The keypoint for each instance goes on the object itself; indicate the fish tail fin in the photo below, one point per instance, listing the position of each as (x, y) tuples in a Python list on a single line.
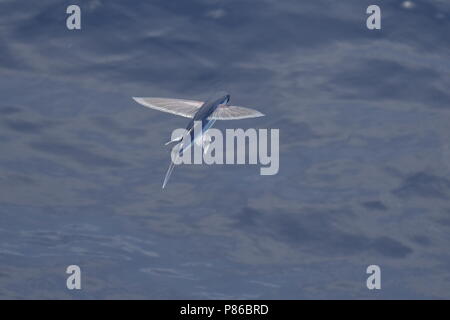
[(168, 174)]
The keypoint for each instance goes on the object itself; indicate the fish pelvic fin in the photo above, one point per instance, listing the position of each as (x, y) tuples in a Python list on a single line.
[(174, 140)]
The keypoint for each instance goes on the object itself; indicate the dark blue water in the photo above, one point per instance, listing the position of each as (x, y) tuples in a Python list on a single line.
[(364, 150)]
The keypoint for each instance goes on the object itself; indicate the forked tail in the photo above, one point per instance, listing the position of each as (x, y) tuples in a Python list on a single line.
[(169, 172)]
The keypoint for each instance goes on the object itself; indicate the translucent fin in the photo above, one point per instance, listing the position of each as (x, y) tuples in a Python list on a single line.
[(225, 112), (174, 140), (181, 107)]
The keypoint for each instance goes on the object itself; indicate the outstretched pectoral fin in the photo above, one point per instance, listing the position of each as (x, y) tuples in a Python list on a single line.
[(225, 112), (181, 107)]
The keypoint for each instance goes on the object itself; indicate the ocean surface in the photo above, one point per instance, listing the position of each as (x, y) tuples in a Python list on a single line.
[(364, 175)]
